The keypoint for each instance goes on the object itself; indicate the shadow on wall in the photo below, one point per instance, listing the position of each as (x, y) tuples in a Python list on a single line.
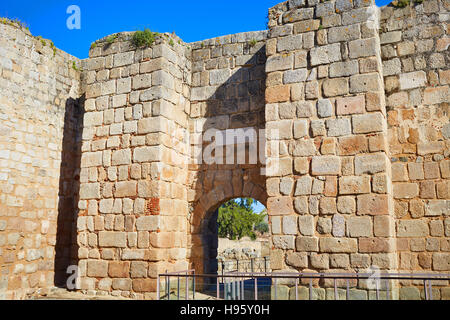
[(237, 103), (66, 247)]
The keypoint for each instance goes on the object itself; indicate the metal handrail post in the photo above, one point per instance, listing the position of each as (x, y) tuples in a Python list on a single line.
[(217, 288), (167, 286), (348, 290), (425, 289), (335, 291), (310, 289), (193, 285), (157, 288), (430, 289), (275, 283), (178, 288), (377, 282), (186, 284)]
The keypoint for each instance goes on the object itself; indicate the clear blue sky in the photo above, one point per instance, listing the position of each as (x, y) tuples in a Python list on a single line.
[(191, 20)]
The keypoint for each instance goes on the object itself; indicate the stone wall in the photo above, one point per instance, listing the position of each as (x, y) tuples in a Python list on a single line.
[(354, 103), (415, 50), (133, 199), (228, 85), (39, 156), (330, 203)]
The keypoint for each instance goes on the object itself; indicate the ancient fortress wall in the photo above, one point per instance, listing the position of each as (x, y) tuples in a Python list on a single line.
[(134, 168), (354, 102), (331, 201), (228, 86), (39, 129), (415, 50)]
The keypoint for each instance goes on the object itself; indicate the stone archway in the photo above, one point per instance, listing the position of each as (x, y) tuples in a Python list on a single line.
[(204, 216)]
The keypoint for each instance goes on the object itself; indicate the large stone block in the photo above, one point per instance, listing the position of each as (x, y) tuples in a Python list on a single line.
[(370, 82), (147, 154), (290, 43), (290, 225), (412, 228), (123, 59), (148, 223), (351, 105), (373, 204), (376, 245), (344, 34), (441, 261), (144, 285), (352, 145), (295, 76), (360, 227), (339, 127), (280, 93), (354, 185), (339, 222), (108, 239), (119, 269), (98, 269), (325, 54), (370, 163), (306, 225), (90, 191), (92, 159), (297, 259), (303, 148), (125, 189), (413, 80), (121, 157), (303, 186), (363, 48), (325, 165), (284, 242), (307, 244), (368, 123), (280, 206), (324, 108), (335, 87), (406, 190), (341, 245), (280, 62)]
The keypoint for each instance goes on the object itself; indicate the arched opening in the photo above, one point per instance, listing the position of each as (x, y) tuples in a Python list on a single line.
[(235, 238)]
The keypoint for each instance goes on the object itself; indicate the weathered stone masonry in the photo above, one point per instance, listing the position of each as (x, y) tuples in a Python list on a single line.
[(41, 121), (359, 96)]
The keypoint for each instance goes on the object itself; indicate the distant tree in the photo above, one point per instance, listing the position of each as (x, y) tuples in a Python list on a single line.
[(237, 219), (263, 226)]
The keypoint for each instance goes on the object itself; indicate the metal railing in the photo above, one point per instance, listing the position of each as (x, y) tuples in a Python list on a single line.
[(238, 282)]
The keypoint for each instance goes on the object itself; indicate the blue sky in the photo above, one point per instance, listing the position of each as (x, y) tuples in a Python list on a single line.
[(191, 20)]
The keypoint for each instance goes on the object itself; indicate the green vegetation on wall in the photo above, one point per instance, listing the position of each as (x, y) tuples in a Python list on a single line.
[(144, 38)]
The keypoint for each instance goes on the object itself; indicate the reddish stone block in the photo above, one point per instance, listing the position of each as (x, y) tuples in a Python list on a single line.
[(375, 245), (373, 204), (279, 93), (352, 145), (280, 206), (119, 269), (144, 285), (351, 105)]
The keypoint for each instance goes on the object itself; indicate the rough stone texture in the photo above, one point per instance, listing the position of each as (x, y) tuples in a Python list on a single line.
[(41, 117), (417, 98), (145, 204)]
